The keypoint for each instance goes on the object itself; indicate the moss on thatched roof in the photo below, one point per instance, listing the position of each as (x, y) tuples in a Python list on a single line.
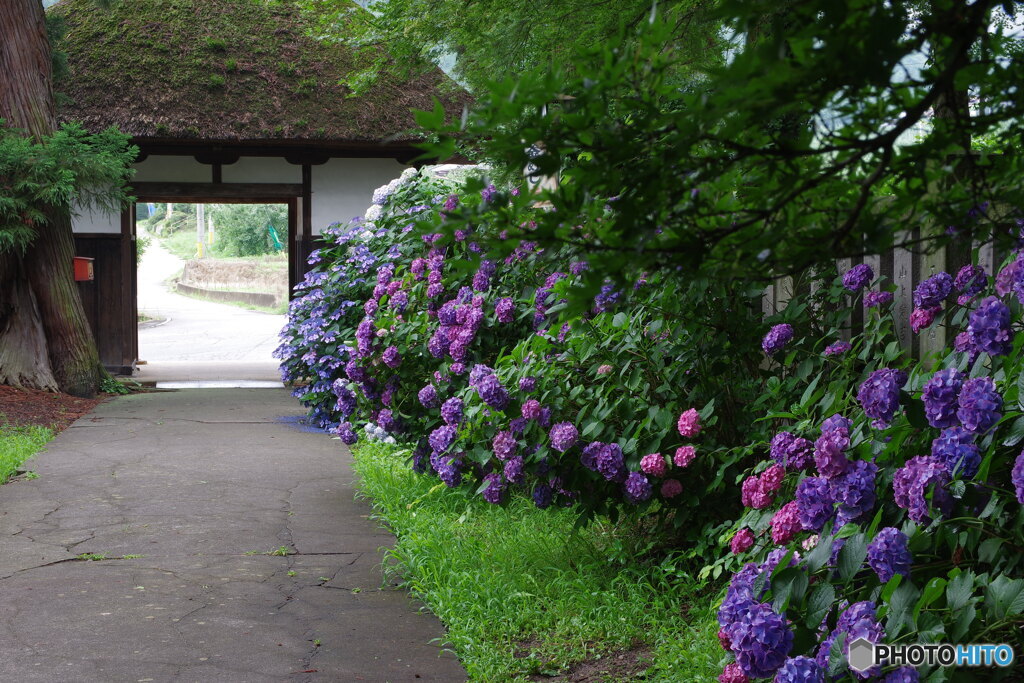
[(228, 70)]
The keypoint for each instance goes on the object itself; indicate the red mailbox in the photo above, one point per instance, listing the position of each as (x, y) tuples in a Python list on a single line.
[(83, 269)]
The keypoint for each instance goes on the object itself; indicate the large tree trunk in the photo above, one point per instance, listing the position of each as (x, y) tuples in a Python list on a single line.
[(53, 305)]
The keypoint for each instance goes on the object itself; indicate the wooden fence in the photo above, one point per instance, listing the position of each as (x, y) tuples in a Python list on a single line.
[(906, 268)]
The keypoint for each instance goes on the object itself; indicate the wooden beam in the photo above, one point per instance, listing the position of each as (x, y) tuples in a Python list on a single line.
[(222, 193)]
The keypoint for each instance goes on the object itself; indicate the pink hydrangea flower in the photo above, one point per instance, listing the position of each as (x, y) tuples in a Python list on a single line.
[(653, 464), (604, 369), (671, 488), (684, 456), (689, 423), (786, 523), (810, 542), (733, 674), (771, 478), (923, 317), (723, 639), (754, 495), (742, 541)]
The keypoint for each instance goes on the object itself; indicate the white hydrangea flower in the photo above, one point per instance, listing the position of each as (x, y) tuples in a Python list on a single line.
[(373, 213)]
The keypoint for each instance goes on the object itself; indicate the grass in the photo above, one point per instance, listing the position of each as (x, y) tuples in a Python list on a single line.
[(182, 244), (18, 444), (282, 309), (522, 593)]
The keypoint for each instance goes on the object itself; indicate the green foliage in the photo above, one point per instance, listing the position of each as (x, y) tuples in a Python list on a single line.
[(491, 39), (241, 229), (800, 149), (215, 82), (18, 444), (508, 579), (69, 166)]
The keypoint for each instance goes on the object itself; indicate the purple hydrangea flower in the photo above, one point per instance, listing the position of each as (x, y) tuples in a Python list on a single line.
[(970, 281), (857, 621), (442, 438), (777, 338), (504, 444), (815, 505), (879, 395), (451, 411), (447, 468), (956, 449), (638, 489), (761, 640), (514, 469), (391, 357), (347, 434), (989, 327), (495, 487), (492, 393), (428, 396), (854, 491), (837, 421), (1017, 477), (505, 309), (588, 457), (610, 462), (858, 277), (544, 419), (542, 495), (792, 452), (940, 397), (800, 670), (527, 384), (829, 452), (837, 348), (1009, 276), (889, 555), (904, 674), (531, 409), (911, 483), (877, 299), (980, 404), (739, 596), (563, 436), (933, 291)]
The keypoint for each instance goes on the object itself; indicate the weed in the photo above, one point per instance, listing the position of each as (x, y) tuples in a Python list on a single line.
[(92, 557), (282, 551), (31, 474), (110, 385), (251, 552), (292, 572), (323, 579), (18, 444), (216, 44), (215, 82), (131, 557), (316, 642), (231, 64)]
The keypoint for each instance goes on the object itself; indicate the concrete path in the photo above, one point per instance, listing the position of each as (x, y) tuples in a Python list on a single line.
[(191, 489), (194, 329)]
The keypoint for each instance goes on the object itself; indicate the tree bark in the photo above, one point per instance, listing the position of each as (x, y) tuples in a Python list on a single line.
[(68, 353)]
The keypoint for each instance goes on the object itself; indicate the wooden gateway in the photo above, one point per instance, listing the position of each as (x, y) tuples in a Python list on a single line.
[(228, 101)]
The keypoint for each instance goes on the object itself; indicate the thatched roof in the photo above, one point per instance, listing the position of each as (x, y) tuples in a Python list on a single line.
[(227, 70)]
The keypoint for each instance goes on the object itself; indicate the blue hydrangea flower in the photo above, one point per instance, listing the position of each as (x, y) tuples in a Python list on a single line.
[(542, 495), (761, 640), (940, 397), (514, 469), (956, 449), (912, 482), (815, 505), (792, 452), (933, 291), (442, 438), (858, 277), (830, 452), (800, 670), (638, 489), (879, 395), (904, 674), (980, 404), (492, 393), (777, 338), (854, 491), (1017, 477), (451, 411), (610, 462), (428, 396), (495, 488), (989, 327), (889, 555), (563, 436), (856, 621), (970, 281)]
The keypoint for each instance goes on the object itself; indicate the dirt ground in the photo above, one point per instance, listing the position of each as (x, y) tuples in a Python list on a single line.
[(43, 408)]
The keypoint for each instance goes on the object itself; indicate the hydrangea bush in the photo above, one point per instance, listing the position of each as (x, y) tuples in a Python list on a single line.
[(890, 504)]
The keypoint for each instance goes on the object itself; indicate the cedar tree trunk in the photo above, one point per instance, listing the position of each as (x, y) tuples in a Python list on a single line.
[(67, 350)]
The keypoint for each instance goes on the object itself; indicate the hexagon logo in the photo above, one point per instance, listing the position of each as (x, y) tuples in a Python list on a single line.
[(862, 655)]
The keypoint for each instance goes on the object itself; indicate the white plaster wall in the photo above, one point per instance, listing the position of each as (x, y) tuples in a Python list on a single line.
[(94, 220), (261, 170), (173, 169), (343, 188)]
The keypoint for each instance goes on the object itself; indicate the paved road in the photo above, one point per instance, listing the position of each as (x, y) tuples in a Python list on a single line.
[(190, 489), (195, 329)]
